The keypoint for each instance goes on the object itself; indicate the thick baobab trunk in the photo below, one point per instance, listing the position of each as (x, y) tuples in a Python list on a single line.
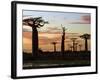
[(86, 45), (62, 44), (34, 42)]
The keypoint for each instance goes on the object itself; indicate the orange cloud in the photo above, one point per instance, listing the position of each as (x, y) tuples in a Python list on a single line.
[(53, 29), (46, 39)]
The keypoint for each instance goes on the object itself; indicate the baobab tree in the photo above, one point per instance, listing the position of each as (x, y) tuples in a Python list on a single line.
[(54, 44), (74, 41), (76, 46), (71, 47), (86, 37), (35, 23), (68, 46), (80, 46), (63, 39)]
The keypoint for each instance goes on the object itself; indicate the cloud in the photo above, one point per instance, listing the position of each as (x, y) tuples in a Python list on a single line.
[(27, 35), (27, 28), (27, 41), (45, 40), (86, 19), (53, 29), (80, 22)]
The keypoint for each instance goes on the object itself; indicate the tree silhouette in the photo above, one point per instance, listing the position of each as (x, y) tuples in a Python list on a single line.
[(86, 37), (76, 46), (80, 46), (35, 23), (54, 44), (73, 40), (63, 39), (68, 47), (71, 47)]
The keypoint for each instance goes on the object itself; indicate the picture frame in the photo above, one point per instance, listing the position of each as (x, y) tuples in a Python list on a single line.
[(52, 60)]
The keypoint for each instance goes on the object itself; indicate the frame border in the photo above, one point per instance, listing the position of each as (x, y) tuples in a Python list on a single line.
[(14, 41)]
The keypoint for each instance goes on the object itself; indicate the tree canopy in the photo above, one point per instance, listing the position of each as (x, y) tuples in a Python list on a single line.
[(34, 22)]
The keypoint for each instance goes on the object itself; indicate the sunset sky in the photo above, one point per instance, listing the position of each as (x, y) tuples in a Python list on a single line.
[(76, 24)]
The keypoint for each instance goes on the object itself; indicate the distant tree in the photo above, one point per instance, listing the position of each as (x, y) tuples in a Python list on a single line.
[(86, 37), (74, 41), (35, 23), (76, 46), (80, 46), (71, 47), (54, 44)]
